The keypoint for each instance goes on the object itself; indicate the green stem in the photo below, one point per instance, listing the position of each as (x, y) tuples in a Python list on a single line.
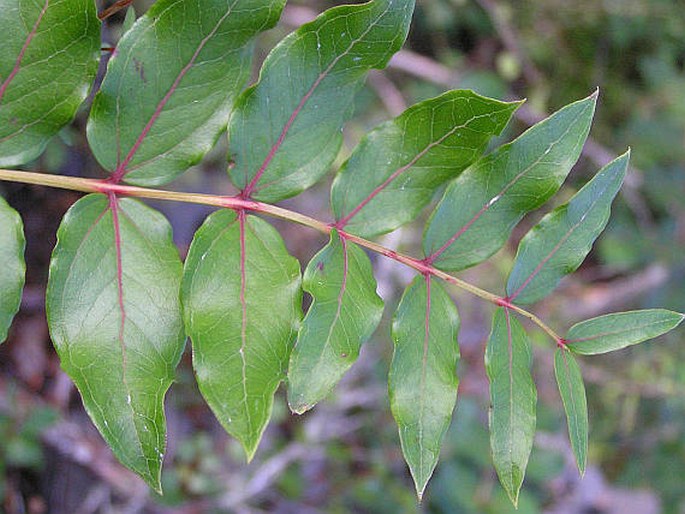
[(233, 202)]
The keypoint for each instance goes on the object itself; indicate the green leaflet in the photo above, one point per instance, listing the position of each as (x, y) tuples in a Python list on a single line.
[(171, 84), (46, 69), (481, 206), (115, 319), (395, 170), (13, 268), (344, 313), (286, 130), (558, 244), (513, 398), (615, 331), (423, 381), (242, 307), (572, 390)]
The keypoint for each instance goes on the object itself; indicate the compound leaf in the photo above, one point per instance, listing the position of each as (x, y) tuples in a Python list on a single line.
[(286, 130), (558, 244), (615, 331), (481, 206), (513, 398), (572, 390), (115, 320), (48, 59), (344, 313), (395, 170), (242, 307), (423, 381), (13, 267), (171, 83)]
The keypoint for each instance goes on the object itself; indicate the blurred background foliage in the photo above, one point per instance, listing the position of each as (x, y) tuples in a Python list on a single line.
[(345, 456)]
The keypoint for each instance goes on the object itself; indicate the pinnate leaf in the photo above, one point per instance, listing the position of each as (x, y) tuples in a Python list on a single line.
[(46, 68), (572, 390), (13, 268), (344, 313), (115, 319), (242, 308), (423, 381), (395, 170), (286, 130), (558, 244), (513, 398), (171, 84), (481, 206), (615, 331)]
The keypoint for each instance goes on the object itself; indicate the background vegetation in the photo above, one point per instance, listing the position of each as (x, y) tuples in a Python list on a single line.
[(344, 456)]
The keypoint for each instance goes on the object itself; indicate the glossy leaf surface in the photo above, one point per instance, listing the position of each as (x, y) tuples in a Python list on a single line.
[(47, 66), (423, 381), (171, 83), (242, 308), (513, 398), (615, 331), (558, 244), (572, 390), (115, 320), (394, 172), (13, 268), (481, 207), (286, 130), (345, 311)]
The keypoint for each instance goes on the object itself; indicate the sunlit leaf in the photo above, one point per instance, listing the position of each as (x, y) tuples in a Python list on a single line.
[(242, 308), (115, 319)]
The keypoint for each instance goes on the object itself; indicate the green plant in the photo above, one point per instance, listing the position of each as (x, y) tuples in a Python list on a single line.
[(120, 302)]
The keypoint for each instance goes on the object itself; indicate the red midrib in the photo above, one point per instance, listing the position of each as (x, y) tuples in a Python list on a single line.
[(343, 288), (250, 187), (556, 248), (121, 168), (432, 257), (541, 265), (281, 138), (510, 344), (424, 364), (20, 57), (346, 219), (114, 207)]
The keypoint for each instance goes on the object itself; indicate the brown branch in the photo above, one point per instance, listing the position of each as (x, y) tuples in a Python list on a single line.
[(114, 8)]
